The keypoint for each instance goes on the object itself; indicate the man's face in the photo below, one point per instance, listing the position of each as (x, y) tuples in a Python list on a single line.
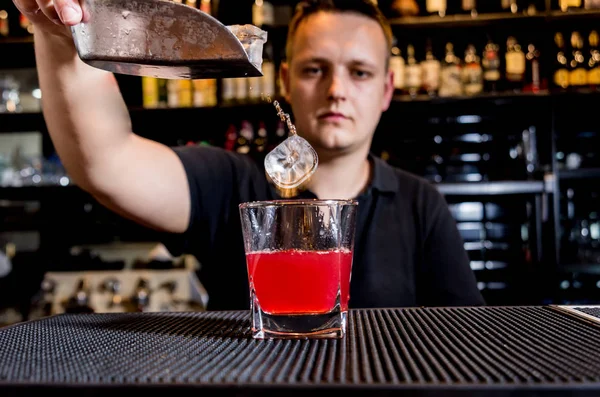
[(337, 82)]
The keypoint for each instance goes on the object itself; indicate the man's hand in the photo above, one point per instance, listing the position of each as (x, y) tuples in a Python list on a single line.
[(53, 16)]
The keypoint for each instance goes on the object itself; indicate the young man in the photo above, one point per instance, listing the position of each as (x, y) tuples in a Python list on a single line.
[(408, 251)]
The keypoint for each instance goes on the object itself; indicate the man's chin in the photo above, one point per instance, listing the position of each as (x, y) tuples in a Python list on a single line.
[(330, 138), (332, 148), (334, 138)]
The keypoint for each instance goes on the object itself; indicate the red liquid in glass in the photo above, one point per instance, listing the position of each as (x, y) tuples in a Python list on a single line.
[(300, 282)]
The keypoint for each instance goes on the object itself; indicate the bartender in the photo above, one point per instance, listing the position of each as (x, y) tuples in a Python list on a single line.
[(408, 251)]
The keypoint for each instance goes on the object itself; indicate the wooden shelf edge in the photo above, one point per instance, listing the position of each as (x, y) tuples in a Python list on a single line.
[(468, 20)]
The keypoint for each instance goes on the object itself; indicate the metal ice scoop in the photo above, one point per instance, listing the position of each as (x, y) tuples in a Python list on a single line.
[(164, 39)]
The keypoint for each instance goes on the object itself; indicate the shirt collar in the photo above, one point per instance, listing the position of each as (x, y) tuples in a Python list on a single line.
[(384, 179), (384, 176)]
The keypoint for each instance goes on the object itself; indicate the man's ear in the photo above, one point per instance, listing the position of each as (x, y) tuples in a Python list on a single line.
[(388, 90), (284, 76)]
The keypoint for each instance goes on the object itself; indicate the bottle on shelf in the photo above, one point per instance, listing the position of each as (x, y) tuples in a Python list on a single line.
[(4, 24), (431, 68), (172, 93), (240, 89), (560, 78), (591, 4), (254, 87), (211, 92), (577, 68), (469, 7), (491, 67), (397, 66), (149, 92), (260, 143), (405, 8), (245, 138), (228, 90), (205, 6), (593, 63), (510, 6), (262, 13), (515, 64), (13, 23), (230, 138), (472, 73), (450, 73), (26, 24), (268, 80), (205, 92), (436, 7), (413, 72), (531, 8), (185, 93), (567, 5), (533, 79)]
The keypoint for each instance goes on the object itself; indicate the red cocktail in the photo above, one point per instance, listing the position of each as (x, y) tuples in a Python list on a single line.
[(300, 282)]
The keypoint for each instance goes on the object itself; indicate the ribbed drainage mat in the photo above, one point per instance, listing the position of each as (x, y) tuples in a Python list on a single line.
[(388, 348), (592, 311)]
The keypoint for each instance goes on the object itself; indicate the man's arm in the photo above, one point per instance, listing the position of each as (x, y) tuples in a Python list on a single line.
[(90, 127)]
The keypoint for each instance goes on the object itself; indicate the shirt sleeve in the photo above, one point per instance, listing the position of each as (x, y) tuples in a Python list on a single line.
[(218, 181), (447, 278)]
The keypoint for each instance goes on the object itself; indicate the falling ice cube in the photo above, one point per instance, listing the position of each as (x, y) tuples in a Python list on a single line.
[(291, 163)]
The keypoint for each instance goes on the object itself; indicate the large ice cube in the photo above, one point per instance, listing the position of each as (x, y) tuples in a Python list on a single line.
[(291, 163)]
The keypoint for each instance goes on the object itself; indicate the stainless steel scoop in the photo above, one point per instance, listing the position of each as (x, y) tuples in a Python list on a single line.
[(164, 39)]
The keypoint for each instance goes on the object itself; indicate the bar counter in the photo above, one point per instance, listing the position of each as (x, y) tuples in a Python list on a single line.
[(487, 351)]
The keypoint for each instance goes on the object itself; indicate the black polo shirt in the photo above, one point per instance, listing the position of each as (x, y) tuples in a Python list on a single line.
[(408, 251)]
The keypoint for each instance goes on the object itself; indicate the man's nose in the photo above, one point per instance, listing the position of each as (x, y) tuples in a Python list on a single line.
[(337, 88)]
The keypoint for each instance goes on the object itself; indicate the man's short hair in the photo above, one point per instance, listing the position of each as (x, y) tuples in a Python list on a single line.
[(306, 8)]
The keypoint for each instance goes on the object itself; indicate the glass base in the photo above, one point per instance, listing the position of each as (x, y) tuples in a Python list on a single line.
[(331, 325)]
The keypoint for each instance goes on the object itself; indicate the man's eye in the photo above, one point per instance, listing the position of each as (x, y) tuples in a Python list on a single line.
[(362, 74), (311, 71)]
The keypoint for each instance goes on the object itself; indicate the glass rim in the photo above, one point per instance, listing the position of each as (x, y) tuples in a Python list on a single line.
[(297, 203)]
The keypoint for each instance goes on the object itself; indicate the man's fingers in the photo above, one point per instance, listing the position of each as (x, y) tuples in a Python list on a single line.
[(69, 11), (46, 14), (47, 8)]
